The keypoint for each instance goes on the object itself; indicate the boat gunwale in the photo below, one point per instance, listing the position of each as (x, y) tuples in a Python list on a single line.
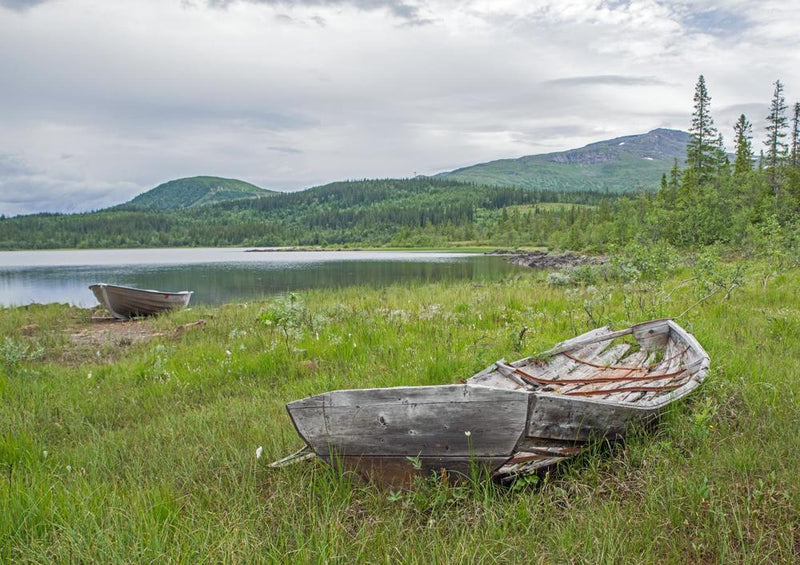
[(143, 290)]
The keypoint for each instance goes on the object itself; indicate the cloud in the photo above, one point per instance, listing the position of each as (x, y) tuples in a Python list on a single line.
[(719, 22), (408, 13), (610, 80), (25, 189), (21, 5), (290, 93), (286, 150)]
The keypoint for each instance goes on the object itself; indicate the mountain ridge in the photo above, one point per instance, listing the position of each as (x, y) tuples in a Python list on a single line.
[(622, 164)]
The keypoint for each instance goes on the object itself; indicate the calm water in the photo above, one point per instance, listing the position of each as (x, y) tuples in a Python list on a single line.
[(221, 275)]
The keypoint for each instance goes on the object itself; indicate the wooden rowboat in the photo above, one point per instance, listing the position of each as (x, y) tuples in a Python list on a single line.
[(511, 418), (124, 302)]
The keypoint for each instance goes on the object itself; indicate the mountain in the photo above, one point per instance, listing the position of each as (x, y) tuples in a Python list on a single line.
[(195, 191), (624, 164)]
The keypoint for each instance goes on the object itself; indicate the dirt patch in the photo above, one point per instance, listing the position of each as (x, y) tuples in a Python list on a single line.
[(112, 332), (544, 260), (107, 331), (108, 339)]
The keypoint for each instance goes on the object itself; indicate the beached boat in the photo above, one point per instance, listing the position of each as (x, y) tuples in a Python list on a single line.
[(511, 418), (124, 302)]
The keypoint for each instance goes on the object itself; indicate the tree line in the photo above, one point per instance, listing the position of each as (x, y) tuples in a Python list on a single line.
[(750, 202)]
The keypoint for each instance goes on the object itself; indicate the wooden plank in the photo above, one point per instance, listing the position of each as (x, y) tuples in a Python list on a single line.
[(673, 359), (561, 417), (452, 420), (496, 379), (607, 357), (562, 366), (634, 360), (652, 335)]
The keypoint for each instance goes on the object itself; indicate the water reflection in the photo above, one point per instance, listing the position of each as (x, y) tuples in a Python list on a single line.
[(231, 277)]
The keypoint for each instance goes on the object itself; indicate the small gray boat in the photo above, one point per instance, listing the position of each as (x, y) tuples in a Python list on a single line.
[(124, 302), (510, 419)]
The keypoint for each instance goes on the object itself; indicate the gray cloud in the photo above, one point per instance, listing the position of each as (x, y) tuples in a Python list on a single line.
[(719, 22), (25, 188), (286, 150), (404, 11), (278, 92), (21, 5), (611, 80), (12, 166)]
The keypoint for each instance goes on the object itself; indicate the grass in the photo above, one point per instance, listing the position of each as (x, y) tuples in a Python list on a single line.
[(130, 451)]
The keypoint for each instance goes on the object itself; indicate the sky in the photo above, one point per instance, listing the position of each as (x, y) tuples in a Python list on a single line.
[(101, 100)]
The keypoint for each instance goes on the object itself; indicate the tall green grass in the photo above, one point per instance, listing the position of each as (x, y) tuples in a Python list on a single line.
[(126, 452)]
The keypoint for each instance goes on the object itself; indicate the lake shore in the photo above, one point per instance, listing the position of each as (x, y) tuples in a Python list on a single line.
[(538, 259)]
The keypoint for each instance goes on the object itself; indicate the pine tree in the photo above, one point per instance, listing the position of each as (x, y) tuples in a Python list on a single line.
[(796, 136), (743, 132), (777, 149), (702, 152)]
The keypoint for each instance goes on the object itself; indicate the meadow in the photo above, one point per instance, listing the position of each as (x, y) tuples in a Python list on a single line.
[(140, 444)]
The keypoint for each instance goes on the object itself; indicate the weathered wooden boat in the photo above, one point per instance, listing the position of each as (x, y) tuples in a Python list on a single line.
[(511, 418), (124, 302)]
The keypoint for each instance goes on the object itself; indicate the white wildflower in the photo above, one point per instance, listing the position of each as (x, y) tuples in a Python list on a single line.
[(228, 352), (467, 433), (69, 468), (259, 451), (89, 376), (44, 454)]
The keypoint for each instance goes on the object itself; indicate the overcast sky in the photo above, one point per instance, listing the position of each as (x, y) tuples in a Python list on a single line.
[(103, 99)]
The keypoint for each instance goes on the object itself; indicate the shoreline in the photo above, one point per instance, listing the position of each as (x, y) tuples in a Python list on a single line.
[(547, 260)]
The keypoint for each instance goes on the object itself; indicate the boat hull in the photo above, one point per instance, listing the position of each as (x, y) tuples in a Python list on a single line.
[(509, 419), (126, 302)]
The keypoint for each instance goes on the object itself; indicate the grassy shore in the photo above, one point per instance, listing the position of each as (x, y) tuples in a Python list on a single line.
[(136, 442)]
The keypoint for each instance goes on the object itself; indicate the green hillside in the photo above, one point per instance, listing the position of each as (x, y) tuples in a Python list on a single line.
[(423, 211), (624, 164), (195, 191)]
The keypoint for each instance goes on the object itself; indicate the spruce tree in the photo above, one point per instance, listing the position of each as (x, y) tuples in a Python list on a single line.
[(702, 154), (796, 136), (777, 148), (675, 175), (743, 133), (723, 163)]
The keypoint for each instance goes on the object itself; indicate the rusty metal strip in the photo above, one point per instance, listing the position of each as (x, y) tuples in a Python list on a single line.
[(599, 366), (621, 368), (532, 379), (624, 389)]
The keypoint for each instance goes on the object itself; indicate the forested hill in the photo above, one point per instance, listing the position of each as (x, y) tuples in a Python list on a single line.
[(624, 164), (195, 191), (416, 212)]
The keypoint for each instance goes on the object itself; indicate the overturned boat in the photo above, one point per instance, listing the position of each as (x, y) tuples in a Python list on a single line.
[(124, 302), (510, 419)]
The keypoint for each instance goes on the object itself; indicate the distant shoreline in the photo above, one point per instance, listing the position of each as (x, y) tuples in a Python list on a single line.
[(547, 260)]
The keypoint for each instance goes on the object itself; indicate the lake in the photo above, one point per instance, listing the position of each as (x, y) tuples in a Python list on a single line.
[(219, 275)]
